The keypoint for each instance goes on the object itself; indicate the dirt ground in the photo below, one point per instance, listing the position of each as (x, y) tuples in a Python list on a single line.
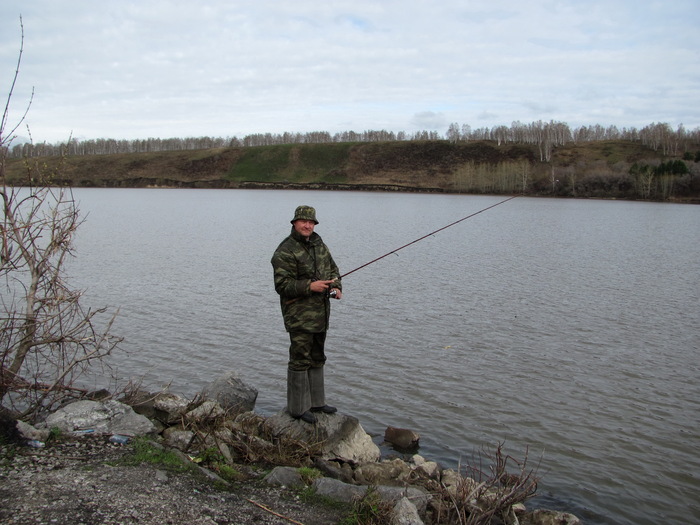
[(83, 481)]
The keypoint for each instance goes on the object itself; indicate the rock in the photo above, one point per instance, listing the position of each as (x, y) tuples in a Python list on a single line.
[(98, 395), (332, 469), (284, 477), (27, 431), (108, 417), (250, 423), (549, 517), (337, 490), (429, 469), (141, 401), (338, 436), (451, 481), (225, 451), (416, 496), (169, 408), (232, 393), (401, 439), (388, 472), (178, 438), (206, 411), (405, 513), (458, 486)]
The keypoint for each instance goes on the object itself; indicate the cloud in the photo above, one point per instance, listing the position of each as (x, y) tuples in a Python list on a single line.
[(175, 68), (429, 120)]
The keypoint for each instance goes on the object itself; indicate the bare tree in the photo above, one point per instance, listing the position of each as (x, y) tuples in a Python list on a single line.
[(47, 339)]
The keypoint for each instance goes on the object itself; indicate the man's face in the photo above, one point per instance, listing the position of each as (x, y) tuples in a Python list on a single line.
[(304, 228)]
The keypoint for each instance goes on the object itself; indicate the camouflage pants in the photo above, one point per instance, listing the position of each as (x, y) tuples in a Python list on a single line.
[(306, 350)]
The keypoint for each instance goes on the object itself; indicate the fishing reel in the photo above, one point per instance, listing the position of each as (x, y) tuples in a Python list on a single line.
[(330, 292)]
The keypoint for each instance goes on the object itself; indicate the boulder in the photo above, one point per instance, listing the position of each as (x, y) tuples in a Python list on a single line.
[(428, 469), (108, 417), (141, 401), (178, 438), (169, 408), (231, 393), (208, 410), (451, 481), (549, 517), (284, 477), (337, 490), (338, 436), (387, 472), (414, 495), (31, 433), (402, 439), (334, 470), (405, 513)]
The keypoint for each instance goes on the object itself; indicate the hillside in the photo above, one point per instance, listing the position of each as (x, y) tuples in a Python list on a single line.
[(590, 169)]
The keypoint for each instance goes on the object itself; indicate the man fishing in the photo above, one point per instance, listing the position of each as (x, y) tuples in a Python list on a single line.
[(306, 277)]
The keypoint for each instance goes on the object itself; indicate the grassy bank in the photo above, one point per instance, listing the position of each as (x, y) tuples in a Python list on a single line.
[(605, 169)]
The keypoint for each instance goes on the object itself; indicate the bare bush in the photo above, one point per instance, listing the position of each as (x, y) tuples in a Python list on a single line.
[(47, 339), (487, 495)]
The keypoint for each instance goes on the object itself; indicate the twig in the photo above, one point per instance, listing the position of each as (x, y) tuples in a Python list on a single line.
[(273, 512)]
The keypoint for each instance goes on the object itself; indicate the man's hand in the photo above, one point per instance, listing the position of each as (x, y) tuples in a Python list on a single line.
[(320, 286)]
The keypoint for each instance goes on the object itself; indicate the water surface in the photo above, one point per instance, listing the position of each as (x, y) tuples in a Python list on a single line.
[(567, 329)]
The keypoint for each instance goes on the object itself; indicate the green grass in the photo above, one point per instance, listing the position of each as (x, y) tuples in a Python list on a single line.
[(146, 451), (292, 163), (308, 495), (309, 474), (370, 510)]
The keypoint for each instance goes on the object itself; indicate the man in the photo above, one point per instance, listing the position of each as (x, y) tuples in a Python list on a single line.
[(306, 277)]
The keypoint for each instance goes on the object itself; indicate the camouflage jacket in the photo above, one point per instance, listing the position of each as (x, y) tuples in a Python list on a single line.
[(296, 263)]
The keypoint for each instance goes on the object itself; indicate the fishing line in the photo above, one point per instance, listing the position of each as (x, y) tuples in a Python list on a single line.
[(429, 234)]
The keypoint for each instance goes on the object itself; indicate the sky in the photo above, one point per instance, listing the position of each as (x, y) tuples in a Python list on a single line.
[(132, 69)]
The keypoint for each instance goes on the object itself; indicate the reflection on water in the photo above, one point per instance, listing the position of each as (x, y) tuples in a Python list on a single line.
[(566, 328)]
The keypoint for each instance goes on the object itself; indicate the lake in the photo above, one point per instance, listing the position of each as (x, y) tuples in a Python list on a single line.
[(566, 329)]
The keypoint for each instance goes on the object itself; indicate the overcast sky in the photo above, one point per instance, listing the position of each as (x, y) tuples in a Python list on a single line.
[(168, 68)]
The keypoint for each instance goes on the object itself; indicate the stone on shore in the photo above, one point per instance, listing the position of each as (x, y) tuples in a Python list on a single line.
[(108, 417), (339, 436), (284, 477), (232, 393), (405, 513), (402, 439)]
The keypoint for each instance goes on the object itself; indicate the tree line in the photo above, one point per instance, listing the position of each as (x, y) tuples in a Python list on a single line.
[(545, 135)]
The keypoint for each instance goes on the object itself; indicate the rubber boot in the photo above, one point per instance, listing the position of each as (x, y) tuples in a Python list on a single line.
[(318, 392), (298, 397)]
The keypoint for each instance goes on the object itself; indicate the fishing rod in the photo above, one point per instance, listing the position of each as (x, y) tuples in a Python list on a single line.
[(429, 234)]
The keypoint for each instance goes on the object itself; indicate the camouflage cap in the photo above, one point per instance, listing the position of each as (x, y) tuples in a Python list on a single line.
[(306, 213)]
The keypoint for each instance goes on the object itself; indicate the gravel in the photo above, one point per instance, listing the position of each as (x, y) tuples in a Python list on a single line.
[(85, 480)]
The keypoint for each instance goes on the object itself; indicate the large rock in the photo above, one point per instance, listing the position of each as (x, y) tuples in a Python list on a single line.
[(284, 477), (169, 408), (387, 472), (416, 496), (337, 490), (232, 393), (549, 517), (108, 417), (402, 439), (338, 436), (405, 513), (429, 469)]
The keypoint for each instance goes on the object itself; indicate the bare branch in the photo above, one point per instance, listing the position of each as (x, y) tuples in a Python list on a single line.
[(47, 339), (6, 140)]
